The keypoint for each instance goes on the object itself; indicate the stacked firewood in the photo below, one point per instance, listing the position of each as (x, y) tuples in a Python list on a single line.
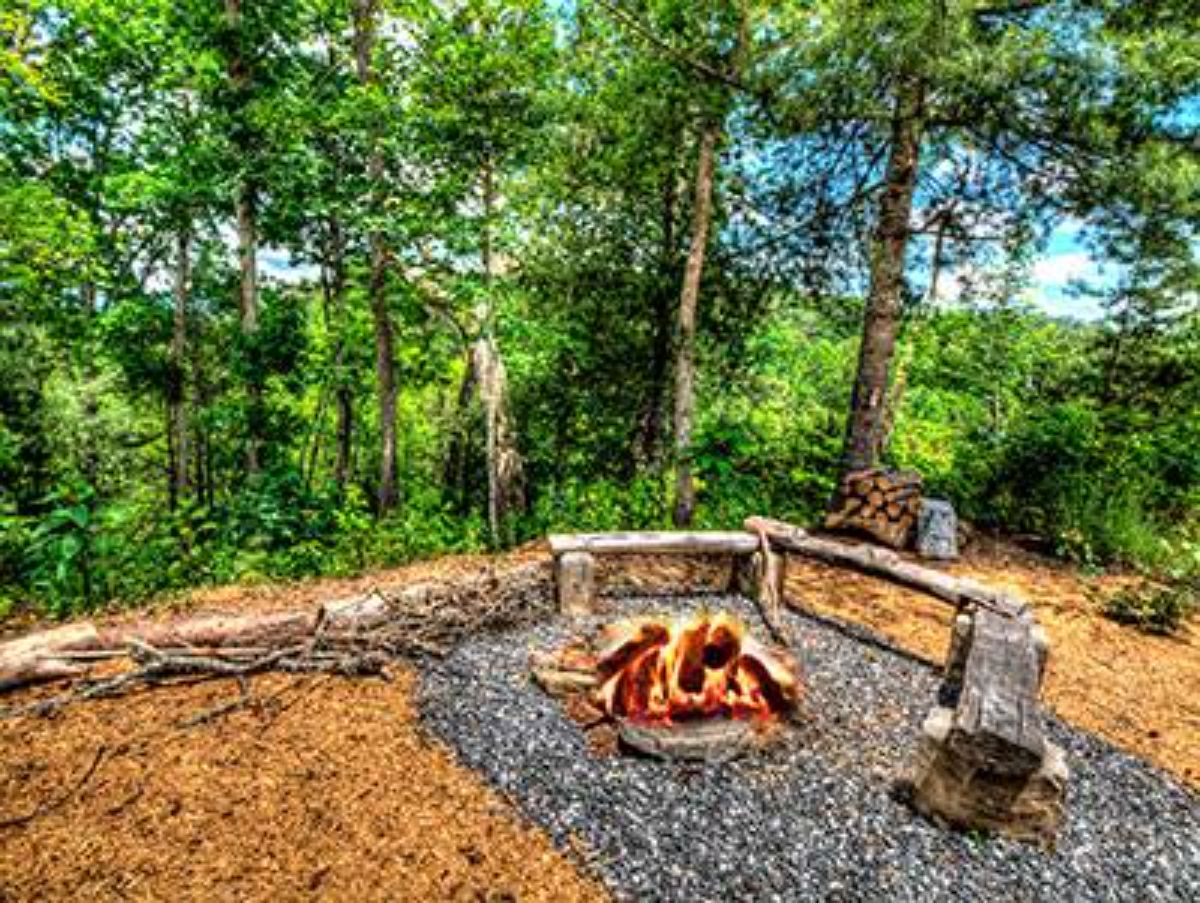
[(880, 503)]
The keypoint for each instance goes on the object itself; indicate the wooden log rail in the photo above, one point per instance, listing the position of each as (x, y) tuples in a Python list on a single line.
[(884, 563), (575, 564), (733, 542)]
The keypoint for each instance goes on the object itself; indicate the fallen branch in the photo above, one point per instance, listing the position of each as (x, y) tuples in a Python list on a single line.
[(351, 637)]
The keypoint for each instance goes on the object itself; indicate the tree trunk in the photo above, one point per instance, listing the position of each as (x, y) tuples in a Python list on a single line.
[(333, 282), (363, 14), (179, 436), (91, 398), (344, 396), (865, 426), (504, 465), (238, 71), (685, 356), (649, 443), (454, 473)]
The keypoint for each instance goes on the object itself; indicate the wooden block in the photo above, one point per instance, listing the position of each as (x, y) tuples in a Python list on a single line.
[(575, 576), (997, 724)]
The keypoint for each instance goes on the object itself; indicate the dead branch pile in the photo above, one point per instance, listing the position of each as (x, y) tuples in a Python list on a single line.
[(351, 637)]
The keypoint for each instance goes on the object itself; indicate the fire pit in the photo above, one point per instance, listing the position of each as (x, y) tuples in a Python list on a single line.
[(696, 687)]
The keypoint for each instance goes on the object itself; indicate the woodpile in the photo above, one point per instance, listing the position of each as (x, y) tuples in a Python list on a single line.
[(883, 504)]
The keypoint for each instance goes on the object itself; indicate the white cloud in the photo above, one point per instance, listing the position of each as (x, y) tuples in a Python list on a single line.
[(277, 263), (1058, 270)]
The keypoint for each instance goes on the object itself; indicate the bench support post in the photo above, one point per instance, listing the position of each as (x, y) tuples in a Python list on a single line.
[(575, 578)]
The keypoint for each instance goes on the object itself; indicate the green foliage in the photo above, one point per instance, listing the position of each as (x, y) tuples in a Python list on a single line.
[(527, 167), (1155, 607)]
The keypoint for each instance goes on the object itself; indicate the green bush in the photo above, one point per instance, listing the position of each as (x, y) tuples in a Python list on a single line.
[(1155, 607)]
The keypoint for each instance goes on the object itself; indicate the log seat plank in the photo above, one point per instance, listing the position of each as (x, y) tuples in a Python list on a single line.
[(732, 542)]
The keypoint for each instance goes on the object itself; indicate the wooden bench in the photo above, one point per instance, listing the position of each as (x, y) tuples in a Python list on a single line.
[(984, 761), (575, 558)]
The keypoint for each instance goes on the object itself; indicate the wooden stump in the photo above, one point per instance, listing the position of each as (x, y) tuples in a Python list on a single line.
[(986, 764), (955, 790), (575, 576)]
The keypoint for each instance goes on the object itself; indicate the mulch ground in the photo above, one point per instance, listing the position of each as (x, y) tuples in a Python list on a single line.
[(1139, 691), (325, 789), (329, 788)]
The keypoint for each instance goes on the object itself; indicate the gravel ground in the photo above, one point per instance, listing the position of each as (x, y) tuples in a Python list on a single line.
[(817, 815)]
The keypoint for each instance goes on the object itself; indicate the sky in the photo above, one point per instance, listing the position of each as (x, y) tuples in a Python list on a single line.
[(1064, 260)]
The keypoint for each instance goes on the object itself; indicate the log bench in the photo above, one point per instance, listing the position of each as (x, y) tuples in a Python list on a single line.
[(575, 559), (983, 762)]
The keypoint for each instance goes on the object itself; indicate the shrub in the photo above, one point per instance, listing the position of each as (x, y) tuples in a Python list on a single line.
[(1155, 607)]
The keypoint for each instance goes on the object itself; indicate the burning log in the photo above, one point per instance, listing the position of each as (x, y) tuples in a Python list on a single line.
[(698, 688)]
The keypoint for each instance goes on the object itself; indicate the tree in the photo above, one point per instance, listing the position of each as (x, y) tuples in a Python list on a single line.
[(991, 116), (364, 21)]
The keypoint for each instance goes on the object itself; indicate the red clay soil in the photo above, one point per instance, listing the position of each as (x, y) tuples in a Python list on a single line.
[(325, 788), (1139, 691)]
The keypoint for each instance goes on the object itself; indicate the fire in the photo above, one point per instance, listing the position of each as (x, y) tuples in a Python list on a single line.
[(706, 666)]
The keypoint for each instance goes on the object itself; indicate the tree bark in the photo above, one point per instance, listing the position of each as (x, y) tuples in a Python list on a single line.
[(649, 442), (179, 435), (91, 398), (685, 356), (454, 472), (866, 423), (238, 71), (363, 14), (504, 465), (333, 283), (344, 396)]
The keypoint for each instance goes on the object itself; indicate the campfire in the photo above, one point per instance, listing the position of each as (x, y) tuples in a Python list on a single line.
[(655, 671), (687, 687)]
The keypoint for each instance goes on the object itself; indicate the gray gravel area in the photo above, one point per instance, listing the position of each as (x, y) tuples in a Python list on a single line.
[(815, 817)]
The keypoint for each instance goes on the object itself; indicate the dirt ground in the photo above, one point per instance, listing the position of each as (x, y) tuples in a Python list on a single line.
[(327, 788), (1140, 692)]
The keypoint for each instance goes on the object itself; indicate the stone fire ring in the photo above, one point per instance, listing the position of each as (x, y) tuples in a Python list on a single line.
[(709, 740)]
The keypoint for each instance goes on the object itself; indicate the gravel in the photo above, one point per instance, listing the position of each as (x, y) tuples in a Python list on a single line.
[(818, 814)]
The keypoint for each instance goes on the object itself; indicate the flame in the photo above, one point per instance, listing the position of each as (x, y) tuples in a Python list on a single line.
[(654, 670)]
